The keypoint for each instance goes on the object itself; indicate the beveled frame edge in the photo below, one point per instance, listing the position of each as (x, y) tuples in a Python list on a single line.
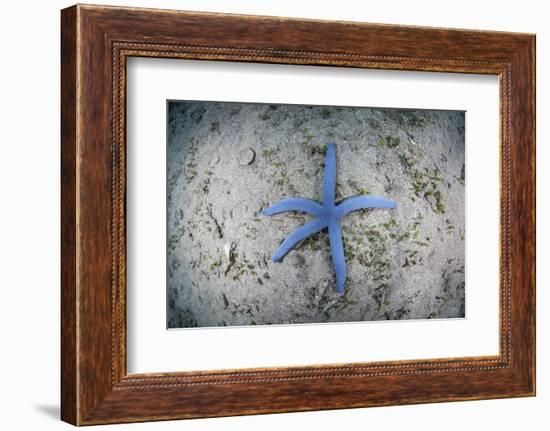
[(96, 41)]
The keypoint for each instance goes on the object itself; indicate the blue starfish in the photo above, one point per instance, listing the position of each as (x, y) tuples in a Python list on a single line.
[(327, 214)]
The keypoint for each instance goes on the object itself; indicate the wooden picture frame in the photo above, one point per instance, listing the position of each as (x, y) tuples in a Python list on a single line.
[(95, 43)]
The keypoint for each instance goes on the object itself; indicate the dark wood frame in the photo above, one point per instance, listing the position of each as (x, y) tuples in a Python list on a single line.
[(95, 43)]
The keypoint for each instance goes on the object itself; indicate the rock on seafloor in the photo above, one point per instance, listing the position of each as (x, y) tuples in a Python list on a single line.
[(228, 161)]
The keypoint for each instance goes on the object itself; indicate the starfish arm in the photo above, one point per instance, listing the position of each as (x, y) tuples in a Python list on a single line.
[(337, 253), (361, 202), (314, 226), (329, 181), (294, 204)]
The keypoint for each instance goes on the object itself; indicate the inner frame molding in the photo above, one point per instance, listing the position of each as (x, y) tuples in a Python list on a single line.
[(96, 42), (121, 52)]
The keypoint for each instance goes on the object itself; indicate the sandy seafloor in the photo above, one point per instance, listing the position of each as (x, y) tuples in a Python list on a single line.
[(227, 161)]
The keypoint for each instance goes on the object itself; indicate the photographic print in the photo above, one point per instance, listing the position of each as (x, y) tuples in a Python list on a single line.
[(292, 214)]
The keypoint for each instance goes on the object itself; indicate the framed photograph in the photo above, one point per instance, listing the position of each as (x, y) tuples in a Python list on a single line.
[(265, 214)]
